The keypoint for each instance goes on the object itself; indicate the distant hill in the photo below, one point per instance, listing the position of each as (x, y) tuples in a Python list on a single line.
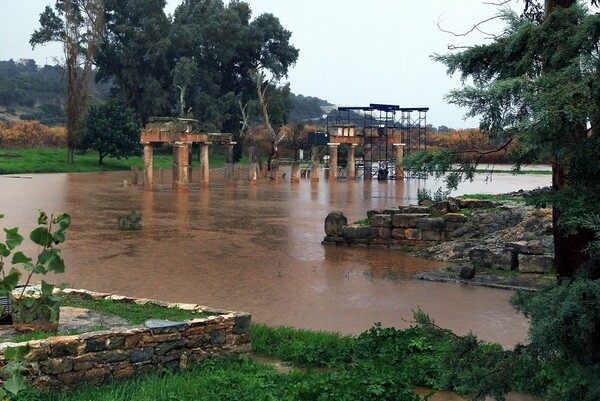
[(30, 92)]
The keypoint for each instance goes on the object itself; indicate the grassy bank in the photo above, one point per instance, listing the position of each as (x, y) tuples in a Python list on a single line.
[(55, 161)]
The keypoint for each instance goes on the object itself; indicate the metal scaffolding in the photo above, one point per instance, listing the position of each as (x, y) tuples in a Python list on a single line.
[(380, 126)]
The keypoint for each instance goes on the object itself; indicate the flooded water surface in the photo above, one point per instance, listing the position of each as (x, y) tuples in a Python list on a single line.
[(257, 248)]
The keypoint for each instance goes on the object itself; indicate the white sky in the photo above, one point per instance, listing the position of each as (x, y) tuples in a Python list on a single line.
[(352, 52)]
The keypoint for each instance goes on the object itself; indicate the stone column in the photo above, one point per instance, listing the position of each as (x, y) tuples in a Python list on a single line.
[(274, 170), (181, 161), (135, 175), (148, 172), (333, 161), (264, 169), (295, 174), (399, 149), (314, 168), (229, 162), (351, 166), (204, 166), (252, 164)]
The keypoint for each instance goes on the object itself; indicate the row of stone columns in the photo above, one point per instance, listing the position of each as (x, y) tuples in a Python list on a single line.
[(181, 164)]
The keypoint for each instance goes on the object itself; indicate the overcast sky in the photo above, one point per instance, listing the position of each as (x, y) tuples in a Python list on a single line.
[(352, 52)]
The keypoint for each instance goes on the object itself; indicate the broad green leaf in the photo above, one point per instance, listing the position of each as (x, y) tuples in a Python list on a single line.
[(43, 218), (47, 288), (63, 220), (56, 265), (15, 384), (1, 216), (19, 257), (36, 268), (3, 393), (13, 238), (12, 279), (41, 236), (28, 301), (16, 353), (4, 251), (47, 255)]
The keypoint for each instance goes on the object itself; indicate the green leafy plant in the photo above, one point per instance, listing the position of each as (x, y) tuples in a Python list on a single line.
[(130, 222), (29, 304)]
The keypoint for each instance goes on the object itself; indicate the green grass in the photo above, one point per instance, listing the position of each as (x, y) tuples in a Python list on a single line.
[(520, 172), (490, 197), (55, 161), (132, 312)]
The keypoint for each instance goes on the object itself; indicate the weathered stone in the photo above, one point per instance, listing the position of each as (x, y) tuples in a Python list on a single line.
[(65, 346), (366, 232), (412, 234), (385, 233), (467, 272), (334, 240), (373, 212), (96, 376), (453, 205), (455, 218), (381, 220), (124, 372), (526, 247), (398, 233), (95, 345), (242, 323), (439, 208), (414, 209), (165, 326), (112, 356), (164, 348), (428, 235), (407, 220), (334, 223), (141, 355), (536, 263), (84, 362), (115, 343), (482, 257), (217, 337), (452, 226), (476, 204), (55, 366), (349, 231), (437, 224)]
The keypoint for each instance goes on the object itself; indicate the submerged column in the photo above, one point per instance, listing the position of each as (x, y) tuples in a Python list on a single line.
[(314, 168), (204, 167), (295, 174), (229, 162), (181, 159), (351, 166), (148, 172), (252, 164), (399, 149), (333, 161)]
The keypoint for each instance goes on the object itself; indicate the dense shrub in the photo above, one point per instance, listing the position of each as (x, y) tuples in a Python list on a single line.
[(31, 134)]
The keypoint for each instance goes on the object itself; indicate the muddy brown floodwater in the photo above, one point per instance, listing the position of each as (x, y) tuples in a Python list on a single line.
[(256, 248)]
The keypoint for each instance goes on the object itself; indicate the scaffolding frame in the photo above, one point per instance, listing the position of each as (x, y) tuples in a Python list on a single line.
[(381, 125)]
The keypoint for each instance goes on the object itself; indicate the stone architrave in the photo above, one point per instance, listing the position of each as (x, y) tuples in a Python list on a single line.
[(335, 223)]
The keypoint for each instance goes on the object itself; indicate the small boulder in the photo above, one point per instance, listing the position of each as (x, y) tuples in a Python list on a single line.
[(334, 223), (467, 272)]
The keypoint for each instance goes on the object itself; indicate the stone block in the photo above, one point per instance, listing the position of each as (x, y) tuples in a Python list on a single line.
[(65, 346), (476, 204), (373, 212), (56, 365), (412, 233), (482, 257), (428, 235), (415, 209), (349, 231), (398, 233), (166, 347), (366, 232), (437, 224), (453, 205), (381, 220), (536, 263), (452, 226), (334, 223), (439, 208), (467, 272), (158, 326), (242, 323), (526, 247), (407, 220), (141, 355), (385, 233), (456, 218)]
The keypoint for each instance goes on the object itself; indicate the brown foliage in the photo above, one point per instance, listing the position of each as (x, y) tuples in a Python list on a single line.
[(467, 140), (31, 134)]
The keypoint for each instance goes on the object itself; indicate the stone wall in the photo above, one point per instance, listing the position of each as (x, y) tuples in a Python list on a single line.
[(413, 226), (96, 357)]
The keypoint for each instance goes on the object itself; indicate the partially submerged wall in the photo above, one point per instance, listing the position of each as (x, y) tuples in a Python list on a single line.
[(97, 357)]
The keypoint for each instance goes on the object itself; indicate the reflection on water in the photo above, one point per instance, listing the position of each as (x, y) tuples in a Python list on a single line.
[(256, 248)]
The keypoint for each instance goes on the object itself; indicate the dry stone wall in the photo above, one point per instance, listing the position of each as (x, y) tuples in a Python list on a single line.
[(414, 225), (97, 357)]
